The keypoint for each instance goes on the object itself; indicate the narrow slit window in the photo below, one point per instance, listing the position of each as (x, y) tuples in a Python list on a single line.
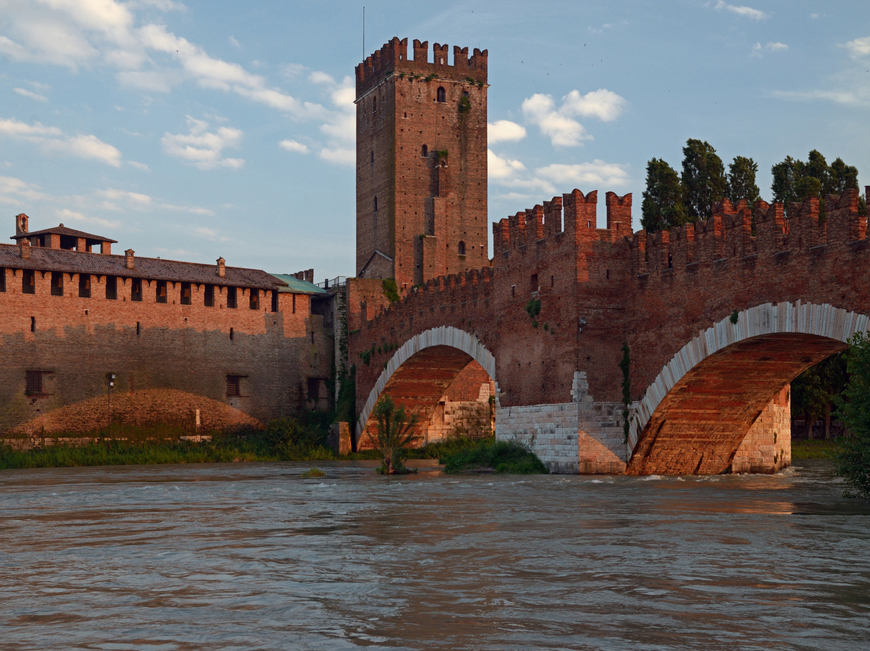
[(376, 204), (136, 290), (461, 248), (28, 281), (2, 279), (442, 94), (274, 300), (424, 152), (84, 285), (57, 283), (112, 288), (33, 324)]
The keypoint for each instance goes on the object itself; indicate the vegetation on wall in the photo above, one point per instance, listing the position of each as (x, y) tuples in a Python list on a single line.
[(533, 308), (391, 290)]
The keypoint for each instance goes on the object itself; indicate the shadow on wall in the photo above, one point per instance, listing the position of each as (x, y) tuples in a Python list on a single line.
[(147, 407)]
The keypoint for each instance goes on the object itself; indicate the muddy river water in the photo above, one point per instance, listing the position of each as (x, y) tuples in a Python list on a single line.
[(252, 556)]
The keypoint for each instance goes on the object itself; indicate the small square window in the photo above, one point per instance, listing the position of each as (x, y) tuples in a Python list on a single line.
[(234, 385), (36, 383)]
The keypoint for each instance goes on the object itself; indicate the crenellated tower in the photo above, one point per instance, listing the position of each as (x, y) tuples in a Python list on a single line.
[(421, 191)]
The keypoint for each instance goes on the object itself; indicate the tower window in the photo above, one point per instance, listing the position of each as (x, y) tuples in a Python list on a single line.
[(442, 94), (424, 152), (254, 299), (161, 291), (185, 293), (374, 104), (28, 282), (84, 285), (209, 296), (461, 248), (234, 386), (136, 289), (112, 288), (373, 155), (232, 300), (376, 204)]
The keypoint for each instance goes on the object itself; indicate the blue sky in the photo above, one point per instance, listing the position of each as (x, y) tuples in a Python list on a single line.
[(192, 130)]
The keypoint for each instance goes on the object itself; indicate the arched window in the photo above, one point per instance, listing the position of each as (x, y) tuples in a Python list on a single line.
[(442, 94), (461, 248), (376, 204), (425, 151)]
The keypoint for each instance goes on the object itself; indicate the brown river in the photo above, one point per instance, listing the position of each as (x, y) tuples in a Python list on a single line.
[(252, 556)]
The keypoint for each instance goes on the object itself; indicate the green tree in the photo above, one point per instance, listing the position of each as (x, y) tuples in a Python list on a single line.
[(845, 177), (703, 179), (785, 176), (393, 435), (814, 392), (741, 181), (662, 205), (852, 457), (817, 168)]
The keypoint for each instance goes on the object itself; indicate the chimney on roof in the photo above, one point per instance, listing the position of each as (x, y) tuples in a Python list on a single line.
[(21, 227), (129, 261), (221, 267), (24, 246), (309, 275)]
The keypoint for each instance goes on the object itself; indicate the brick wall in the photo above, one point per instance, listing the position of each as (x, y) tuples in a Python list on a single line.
[(76, 341)]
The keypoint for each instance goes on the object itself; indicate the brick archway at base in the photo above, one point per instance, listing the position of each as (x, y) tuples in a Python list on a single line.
[(424, 366), (694, 416)]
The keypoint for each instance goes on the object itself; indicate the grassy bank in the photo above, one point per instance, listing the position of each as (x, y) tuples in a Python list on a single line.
[(813, 448), (289, 439), (489, 455)]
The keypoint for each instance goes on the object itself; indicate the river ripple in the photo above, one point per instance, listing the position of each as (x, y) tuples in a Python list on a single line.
[(252, 556)]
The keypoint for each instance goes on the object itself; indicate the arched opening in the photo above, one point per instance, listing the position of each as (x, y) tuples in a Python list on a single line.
[(424, 152), (461, 247), (444, 375), (441, 94), (448, 390)]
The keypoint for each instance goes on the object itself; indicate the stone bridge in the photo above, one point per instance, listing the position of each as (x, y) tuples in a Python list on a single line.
[(711, 321)]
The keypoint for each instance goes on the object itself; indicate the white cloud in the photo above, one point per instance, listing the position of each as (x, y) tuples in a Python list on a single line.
[(21, 189), (745, 12), (339, 155), (294, 146), (559, 124), (758, 48), (562, 130), (602, 104), (504, 131), (66, 213), (139, 166), (31, 94), (596, 174), (52, 139), (204, 148), (193, 210), (13, 127), (858, 47), (88, 147), (136, 199), (234, 42), (501, 168)]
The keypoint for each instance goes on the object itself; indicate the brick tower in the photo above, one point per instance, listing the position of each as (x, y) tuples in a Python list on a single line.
[(421, 163)]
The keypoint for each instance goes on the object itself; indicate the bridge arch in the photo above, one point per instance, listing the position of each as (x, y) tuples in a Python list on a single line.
[(699, 408), (453, 348)]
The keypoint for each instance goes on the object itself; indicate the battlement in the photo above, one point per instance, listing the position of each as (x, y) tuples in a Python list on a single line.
[(393, 58), (738, 232), (571, 217)]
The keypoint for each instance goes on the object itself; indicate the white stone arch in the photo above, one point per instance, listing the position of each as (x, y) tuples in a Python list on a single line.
[(441, 336), (768, 318)]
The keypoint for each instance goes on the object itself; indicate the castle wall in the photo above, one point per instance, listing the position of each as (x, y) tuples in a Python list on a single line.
[(75, 342)]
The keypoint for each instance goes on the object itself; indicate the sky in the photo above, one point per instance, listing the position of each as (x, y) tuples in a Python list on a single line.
[(190, 130)]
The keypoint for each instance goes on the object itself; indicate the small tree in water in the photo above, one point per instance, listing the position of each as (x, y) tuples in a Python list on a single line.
[(393, 435)]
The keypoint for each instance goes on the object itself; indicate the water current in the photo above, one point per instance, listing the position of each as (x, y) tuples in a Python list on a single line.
[(252, 556)]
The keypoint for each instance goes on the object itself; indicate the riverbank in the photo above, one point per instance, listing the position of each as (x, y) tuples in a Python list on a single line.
[(122, 445), (813, 448)]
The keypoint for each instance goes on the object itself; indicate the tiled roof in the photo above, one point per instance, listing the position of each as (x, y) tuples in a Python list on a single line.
[(297, 286), (63, 230), (43, 259)]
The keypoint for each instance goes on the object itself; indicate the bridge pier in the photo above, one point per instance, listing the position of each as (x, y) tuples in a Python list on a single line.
[(581, 436)]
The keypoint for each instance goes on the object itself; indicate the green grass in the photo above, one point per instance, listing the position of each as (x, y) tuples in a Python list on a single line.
[(813, 448), (488, 455)]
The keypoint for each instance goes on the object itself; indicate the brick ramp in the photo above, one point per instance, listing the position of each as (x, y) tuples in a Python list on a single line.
[(147, 407)]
